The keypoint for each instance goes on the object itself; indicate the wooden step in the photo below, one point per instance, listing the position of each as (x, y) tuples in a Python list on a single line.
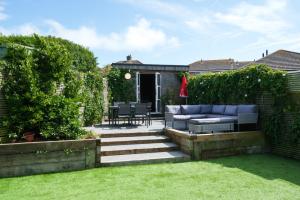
[(134, 140), (130, 134), (137, 148), (144, 158)]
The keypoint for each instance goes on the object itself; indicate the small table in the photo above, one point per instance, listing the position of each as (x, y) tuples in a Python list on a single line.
[(210, 125)]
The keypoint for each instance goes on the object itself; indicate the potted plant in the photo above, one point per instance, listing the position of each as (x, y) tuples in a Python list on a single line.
[(29, 136)]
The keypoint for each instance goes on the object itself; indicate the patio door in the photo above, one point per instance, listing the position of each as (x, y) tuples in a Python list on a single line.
[(157, 91), (138, 87)]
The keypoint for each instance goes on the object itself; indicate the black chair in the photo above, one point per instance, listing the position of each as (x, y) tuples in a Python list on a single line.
[(141, 112), (117, 103), (149, 107), (124, 112), (132, 103)]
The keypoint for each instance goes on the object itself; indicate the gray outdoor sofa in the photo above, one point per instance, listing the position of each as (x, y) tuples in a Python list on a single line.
[(209, 118)]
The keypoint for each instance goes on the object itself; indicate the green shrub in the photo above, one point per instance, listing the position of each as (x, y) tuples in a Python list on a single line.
[(45, 82), (237, 86), (120, 89)]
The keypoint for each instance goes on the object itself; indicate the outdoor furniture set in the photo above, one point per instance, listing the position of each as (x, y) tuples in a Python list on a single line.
[(211, 118), (132, 113)]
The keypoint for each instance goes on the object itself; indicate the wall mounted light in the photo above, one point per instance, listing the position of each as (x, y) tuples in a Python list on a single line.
[(127, 76)]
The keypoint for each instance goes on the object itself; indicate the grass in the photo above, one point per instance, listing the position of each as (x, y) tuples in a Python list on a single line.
[(241, 177)]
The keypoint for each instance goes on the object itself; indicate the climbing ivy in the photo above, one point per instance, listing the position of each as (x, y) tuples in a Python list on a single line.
[(120, 89), (45, 82)]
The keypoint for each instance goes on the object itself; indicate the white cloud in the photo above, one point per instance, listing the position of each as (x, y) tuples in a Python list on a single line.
[(161, 7), (3, 16), (139, 37), (199, 23), (24, 29), (265, 18)]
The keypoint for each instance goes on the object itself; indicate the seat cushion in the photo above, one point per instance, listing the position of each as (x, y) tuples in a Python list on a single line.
[(212, 120), (218, 109), (247, 108), (205, 109), (230, 110), (187, 117), (190, 109), (197, 116), (174, 109), (213, 115), (181, 117)]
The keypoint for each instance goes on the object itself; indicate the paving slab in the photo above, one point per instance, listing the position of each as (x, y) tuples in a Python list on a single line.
[(171, 156), (133, 140), (137, 148)]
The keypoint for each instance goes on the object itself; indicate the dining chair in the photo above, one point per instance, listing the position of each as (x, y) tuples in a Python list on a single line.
[(124, 112), (141, 112)]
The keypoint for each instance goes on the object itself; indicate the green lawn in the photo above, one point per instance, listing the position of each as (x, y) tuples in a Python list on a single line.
[(241, 177)]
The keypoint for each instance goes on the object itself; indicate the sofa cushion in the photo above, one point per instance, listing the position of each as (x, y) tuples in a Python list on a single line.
[(205, 109), (197, 116), (190, 109), (187, 117), (213, 115), (181, 117), (230, 110), (247, 109), (212, 120), (174, 109), (218, 109)]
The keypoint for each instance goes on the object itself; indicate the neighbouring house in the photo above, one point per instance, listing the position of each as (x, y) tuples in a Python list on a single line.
[(219, 65), (281, 59), (153, 82)]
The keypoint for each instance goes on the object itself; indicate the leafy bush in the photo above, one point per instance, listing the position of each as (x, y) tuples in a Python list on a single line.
[(45, 83), (237, 86), (120, 89)]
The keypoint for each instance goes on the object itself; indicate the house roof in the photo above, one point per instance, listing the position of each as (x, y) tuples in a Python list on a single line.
[(130, 62), (150, 67), (137, 65), (283, 60), (216, 65)]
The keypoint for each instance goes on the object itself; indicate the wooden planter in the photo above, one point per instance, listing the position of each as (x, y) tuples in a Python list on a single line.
[(18, 159)]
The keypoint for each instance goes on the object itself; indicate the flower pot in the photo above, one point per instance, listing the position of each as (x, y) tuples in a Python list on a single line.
[(29, 136)]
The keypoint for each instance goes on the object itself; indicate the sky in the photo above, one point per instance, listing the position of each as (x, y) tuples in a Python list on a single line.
[(161, 31)]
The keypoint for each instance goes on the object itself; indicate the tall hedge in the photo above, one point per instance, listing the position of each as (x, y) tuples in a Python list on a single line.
[(45, 82), (237, 86)]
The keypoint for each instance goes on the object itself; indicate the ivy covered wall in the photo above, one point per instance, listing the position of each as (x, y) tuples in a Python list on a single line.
[(120, 89), (45, 82), (261, 85)]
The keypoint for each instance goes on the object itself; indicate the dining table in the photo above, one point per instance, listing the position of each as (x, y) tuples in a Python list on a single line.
[(113, 113)]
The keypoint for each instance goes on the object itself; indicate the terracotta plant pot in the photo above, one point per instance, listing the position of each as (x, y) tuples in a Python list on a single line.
[(29, 136)]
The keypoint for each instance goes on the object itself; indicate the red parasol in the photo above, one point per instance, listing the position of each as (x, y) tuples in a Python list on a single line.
[(183, 88)]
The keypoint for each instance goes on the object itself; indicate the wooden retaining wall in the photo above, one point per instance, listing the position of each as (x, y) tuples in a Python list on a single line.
[(205, 146), (19, 159)]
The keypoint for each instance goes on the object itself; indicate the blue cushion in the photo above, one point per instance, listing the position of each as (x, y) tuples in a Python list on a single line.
[(181, 117), (213, 120), (218, 109), (247, 109), (174, 109), (190, 109), (205, 109), (230, 110)]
